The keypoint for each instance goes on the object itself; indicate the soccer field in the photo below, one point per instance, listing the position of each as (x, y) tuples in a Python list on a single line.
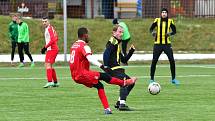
[(24, 99)]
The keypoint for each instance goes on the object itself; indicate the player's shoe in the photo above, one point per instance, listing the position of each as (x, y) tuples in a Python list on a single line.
[(107, 111), (125, 64), (11, 63), (117, 105), (56, 84), (21, 65), (130, 81), (176, 82), (124, 107), (49, 84), (151, 81), (32, 64)]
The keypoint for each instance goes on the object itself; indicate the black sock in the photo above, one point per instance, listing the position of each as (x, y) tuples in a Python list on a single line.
[(172, 68), (153, 67)]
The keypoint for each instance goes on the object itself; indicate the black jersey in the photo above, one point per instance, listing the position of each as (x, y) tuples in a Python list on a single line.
[(112, 55)]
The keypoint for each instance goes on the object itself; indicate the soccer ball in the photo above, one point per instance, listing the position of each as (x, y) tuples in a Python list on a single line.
[(154, 88)]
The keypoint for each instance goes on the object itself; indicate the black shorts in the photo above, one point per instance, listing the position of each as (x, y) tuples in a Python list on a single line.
[(159, 48), (119, 73)]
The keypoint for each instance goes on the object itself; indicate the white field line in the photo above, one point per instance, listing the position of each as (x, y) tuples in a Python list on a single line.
[(62, 78), (30, 78), (130, 66), (135, 57)]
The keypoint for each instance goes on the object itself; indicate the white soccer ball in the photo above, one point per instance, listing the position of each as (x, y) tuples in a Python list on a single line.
[(154, 88)]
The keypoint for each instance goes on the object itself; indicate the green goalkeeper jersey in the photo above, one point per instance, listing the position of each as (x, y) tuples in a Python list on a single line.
[(126, 35), (23, 31), (13, 31)]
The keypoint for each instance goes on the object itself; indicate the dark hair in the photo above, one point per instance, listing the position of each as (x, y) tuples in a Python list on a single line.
[(82, 31), (115, 21), (164, 9), (45, 17)]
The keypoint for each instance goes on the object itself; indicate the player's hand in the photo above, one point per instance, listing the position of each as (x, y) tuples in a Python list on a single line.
[(132, 47), (154, 33), (106, 68), (168, 34), (43, 50)]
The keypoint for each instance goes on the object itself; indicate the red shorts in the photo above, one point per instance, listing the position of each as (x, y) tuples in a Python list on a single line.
[(51, 56), (87, 78)]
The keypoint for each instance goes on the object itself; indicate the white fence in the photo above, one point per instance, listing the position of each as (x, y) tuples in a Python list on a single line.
[(205, 7)]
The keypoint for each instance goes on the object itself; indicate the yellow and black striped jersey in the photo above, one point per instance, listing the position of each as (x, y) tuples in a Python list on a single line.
[(162, 28), (112, 55)]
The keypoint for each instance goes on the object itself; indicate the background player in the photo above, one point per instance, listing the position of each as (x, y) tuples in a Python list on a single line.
[(13, 34), (162, 42), (23, 41), (51, 47)]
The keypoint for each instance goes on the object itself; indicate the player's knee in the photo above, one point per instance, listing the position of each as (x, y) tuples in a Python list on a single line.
[(48, 65), (27, 52), (172, 61), (99, 86), (106, 77), (154, 61)]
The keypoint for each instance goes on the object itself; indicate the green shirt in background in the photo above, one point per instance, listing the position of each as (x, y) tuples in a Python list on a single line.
[(23, 31), (126, 35), (13, 31)]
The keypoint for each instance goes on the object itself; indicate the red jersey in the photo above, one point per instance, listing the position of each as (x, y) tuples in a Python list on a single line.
[(78, 60), (51, 38)]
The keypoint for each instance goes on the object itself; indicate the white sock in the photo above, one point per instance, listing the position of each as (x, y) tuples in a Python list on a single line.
[(122, 101), (108, 109)]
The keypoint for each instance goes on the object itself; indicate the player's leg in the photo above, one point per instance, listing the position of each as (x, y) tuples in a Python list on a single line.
[(129, 88), (48, 75), (27, 52), (13, 48), (48, 67), (169, 52), (91, 79), (53, 55), (112, 80), (54, 77), (21, 55), (102, 97), (124, 91), (156, 54)]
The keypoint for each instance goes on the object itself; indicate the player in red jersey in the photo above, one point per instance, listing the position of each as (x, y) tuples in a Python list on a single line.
[(51, 47), (80, 59)]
